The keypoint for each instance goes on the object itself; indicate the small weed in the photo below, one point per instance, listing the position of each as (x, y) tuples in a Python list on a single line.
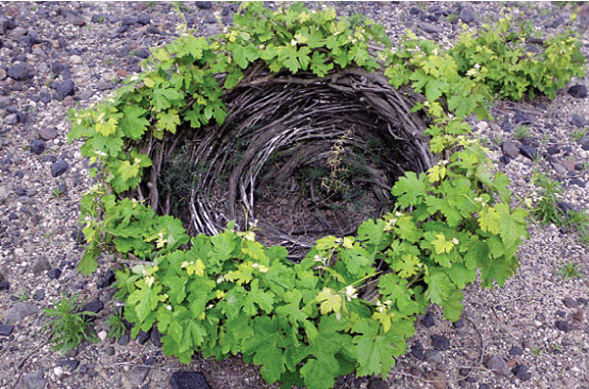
[(33, 8), (116, 326), (101, 19), (108, 61), (521, 132), (537, 351), (570, 271), (48, 235), (68, 327), (132, 53), (26, 147), (22, 296), (545, 138), (578, 134), (57, 193), (547, 210)]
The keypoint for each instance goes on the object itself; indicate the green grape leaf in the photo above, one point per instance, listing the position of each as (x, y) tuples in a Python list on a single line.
[(134, 124), (145, 299), (410, 189), (257, 296), (408, 266), (453, 306), (330, 301), (376, 351), (168, 120), (439, 286), (461, 275)]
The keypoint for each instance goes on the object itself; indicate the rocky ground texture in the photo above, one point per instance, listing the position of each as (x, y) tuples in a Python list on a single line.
[(532, 333)]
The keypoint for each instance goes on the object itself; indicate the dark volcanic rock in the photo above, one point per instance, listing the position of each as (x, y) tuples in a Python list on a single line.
[(563, 325), (58, 168), (37, 146), (18, 72), (204, 4), (6, 330), (529, 152), (188, 380), (54, 273), (94, 306), (428, 320), (579, 91), (440, 343), (521, 372), (65, 88), (467, 15)]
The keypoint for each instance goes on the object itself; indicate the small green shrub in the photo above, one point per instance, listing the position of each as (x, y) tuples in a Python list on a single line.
[(570, 271), (69, 327), (511, 68), (116, 325)]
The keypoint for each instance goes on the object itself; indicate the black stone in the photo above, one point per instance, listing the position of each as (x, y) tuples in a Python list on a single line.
[(71, 364), (108, 279), (204, 4), (110, 350), (37, 146), (521, 118), (415, 11), (578, 182), (56, 68), (521, 372), (579, 166), (578, 121), (569, 302), (39, 295), (6, 330), (143, 19), (54, 273), (142, 53), (78, 236), (124, 339), (428, 320), (483, 386), (563, 325), (529, 152), (12, 216), (18, 73), (504, 159), (515, 350), (5, 285), (94, 306), (561, 313), (143, 337), (97, 18), (150, 361), (553, 150), (66, 88), (58, 168), (467, 15), (20, 191), (458, 324), (156, 337), (579, 91), (417, 351), (440, 343), (188, 379), (128, 21), (45, 97)]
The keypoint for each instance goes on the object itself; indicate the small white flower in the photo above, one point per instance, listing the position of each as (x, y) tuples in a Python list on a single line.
[(350, 292), (455, 241), (317, 258), (477, 66), (149, 280), (293, 42), (220, 279), (398, 214), (184, 264), (169, 307), (255, 265)]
